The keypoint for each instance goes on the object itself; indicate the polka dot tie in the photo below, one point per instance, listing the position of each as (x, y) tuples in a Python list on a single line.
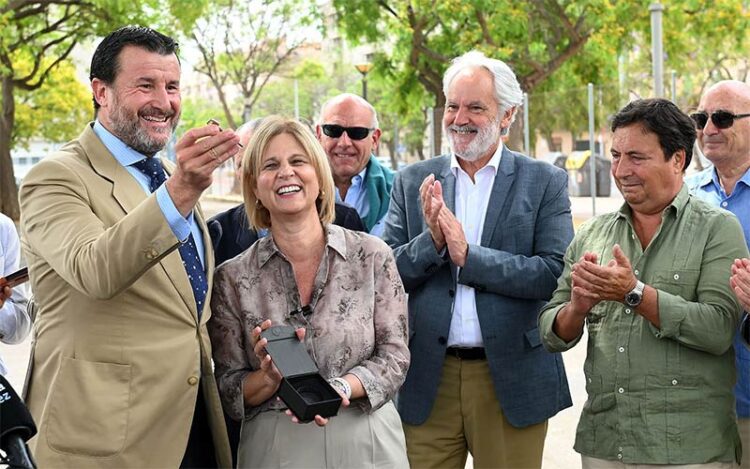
[(153, 169)]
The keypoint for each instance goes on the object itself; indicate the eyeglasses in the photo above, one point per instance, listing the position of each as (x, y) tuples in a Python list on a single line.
[(721, 119), (354, 133)]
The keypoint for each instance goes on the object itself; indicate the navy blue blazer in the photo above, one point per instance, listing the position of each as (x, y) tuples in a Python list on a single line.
[(231, 233), (514, 272)]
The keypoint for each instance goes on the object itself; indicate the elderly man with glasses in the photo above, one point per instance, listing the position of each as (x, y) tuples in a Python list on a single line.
[(349, 133), (724, 138)]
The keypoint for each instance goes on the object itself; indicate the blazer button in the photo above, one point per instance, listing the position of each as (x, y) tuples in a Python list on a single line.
[(442, 340), (193, 380), (451, 293), (151, 254)]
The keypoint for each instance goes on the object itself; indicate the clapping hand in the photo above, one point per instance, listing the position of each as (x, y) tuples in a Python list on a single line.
[(740, 281)]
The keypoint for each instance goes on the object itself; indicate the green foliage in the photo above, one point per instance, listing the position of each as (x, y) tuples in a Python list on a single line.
[(244, 44), (56, 112), (314, 86), (555, 47), (536, 38), (196, 111), (36, 41)]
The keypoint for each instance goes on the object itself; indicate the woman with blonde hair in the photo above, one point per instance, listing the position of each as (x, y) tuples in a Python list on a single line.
[(342, 292)]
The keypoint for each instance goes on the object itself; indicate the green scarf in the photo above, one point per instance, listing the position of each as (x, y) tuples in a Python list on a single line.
[(378, 183)]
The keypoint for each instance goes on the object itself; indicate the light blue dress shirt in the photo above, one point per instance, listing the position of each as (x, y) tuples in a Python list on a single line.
[(706, 185), (356, 197), (181, 227)]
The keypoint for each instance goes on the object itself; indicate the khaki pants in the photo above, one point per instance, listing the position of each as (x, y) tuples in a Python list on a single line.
[(351, 439), (744, 426), (588, 462), (466, 417)]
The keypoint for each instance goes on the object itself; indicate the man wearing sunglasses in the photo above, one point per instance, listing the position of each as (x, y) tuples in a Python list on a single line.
[(723, 125), (349, 133), (479, 237)]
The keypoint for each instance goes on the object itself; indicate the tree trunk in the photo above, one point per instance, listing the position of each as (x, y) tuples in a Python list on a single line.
[(437, 119), (515, 137), (8, 188)]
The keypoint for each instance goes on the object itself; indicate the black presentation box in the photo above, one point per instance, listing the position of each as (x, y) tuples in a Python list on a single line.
[(302, 388)]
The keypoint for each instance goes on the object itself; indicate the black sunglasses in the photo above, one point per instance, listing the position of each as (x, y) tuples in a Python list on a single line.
[(354, 133), (721, 119)]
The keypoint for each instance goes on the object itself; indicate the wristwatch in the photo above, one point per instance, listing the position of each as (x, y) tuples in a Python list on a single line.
[(634, 297), (342, 386)]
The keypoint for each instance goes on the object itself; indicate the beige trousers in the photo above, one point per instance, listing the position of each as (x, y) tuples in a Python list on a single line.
[(744, 427), (352, 439), (466, 417)]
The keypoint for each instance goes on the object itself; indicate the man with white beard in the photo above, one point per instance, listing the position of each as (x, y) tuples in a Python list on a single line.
[(479, 237)]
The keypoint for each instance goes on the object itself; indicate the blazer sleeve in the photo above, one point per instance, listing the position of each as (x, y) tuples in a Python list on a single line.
[(417, 258), (520, 276), (99, 258)]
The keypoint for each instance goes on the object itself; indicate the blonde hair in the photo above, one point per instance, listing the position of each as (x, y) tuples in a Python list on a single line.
[(271, 127)]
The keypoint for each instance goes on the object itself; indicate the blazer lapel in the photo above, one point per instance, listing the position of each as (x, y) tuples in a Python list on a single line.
[(175, 270), (128, 194), (448, 181), (208, 260), (125, 189), (500, 188)]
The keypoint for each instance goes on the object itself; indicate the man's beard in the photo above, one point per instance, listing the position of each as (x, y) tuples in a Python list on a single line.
[(485, 138), (126, 125)]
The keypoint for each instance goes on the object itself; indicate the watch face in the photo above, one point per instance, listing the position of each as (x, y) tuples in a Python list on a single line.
[(633, 299)]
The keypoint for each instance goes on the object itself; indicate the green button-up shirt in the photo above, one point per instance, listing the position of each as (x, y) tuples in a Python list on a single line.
[(660, 396)]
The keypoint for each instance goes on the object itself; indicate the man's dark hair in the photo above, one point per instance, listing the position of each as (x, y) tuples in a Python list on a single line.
[(675, 130), (105, 63)]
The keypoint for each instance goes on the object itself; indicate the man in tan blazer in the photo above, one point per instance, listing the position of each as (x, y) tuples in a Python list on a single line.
[(120, 374)]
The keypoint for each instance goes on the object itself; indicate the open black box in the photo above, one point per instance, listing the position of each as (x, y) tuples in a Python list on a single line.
[(302, 388)]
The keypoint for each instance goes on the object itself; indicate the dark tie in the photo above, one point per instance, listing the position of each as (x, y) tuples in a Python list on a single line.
[(152, 168)]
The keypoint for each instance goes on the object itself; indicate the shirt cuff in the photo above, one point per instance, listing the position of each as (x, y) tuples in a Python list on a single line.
[(180, 225), (552, 342), (672, 312)]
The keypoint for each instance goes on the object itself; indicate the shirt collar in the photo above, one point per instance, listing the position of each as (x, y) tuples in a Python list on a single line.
[(358, 178), (357, 181), (335, 240), (124, 155), (678, 203), (711, 176), (745, 179), (494, 161)]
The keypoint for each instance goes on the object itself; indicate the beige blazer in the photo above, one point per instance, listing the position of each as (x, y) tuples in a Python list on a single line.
[(119, 351)]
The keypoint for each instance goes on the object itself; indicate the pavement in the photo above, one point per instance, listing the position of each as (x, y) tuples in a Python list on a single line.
[(558, 452)]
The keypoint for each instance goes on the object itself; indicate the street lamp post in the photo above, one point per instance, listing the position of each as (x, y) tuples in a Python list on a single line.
[(364, 69)]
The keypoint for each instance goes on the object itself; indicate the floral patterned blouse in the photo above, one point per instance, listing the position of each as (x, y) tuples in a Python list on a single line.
[(358, 322)]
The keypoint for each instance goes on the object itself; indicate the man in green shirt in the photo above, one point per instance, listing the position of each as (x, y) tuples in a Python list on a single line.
[(651, 282)]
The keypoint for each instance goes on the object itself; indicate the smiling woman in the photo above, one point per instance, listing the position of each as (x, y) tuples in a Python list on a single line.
[(339, 288)]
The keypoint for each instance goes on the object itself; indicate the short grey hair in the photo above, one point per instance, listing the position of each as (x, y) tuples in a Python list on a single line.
[(249, 126), (508, 93), (349, 96)]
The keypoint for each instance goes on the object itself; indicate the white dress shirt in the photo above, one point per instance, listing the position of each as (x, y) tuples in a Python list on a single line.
[(472, 198), (15, 323)]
